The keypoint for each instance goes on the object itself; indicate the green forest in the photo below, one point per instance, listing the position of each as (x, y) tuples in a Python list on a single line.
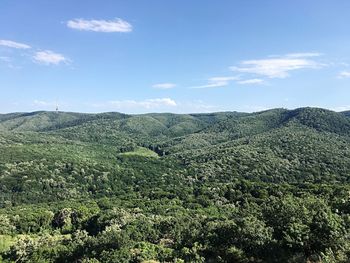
[(271, 186)]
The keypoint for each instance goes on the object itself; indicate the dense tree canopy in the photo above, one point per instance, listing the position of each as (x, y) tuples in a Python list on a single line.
[(272, 186)]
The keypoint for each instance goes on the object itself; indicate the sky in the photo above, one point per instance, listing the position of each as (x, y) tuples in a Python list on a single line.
[(180, 56)]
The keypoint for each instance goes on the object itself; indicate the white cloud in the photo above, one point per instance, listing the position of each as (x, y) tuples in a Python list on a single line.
[(223, 79), (8, 62), (13, 44), (341, 108), (154, 105), (49, 105), (254, 108), (107, 26), (277, 67), (196, 106), (216, 82), (48, 57), (148, 104), (304, 55), (251, 81), (5, 59), (164, 86), (41, 103), (344, 74)]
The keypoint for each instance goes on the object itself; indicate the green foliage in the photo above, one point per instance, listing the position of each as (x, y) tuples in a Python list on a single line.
[(6, 226), (140, 151), (271, 187), (5, 243)]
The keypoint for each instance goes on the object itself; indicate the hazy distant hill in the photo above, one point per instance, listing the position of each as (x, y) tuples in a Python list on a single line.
[(346, 113)]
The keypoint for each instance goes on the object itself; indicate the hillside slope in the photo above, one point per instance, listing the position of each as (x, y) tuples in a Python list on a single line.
[(306, 144), (270, 186)]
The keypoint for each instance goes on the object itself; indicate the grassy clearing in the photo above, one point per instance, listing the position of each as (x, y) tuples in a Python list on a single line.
[(5, 242), (141, 151)]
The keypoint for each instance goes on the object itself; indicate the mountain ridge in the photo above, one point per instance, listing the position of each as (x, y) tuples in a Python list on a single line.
[(20, 120)]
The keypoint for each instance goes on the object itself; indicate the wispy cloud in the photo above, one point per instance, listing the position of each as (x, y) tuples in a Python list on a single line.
[(304, 55), (13, 44), (341, 108), (164, 86), (106, 26), (5, 59), (42, 103), (279, 67), (255, 108), (131, 105), (155, 105), (258, 70), (250, 81), (49, 105), (217, 82), (344, 74), (8, 61), (196, 106), (46, 57), (49, 57)]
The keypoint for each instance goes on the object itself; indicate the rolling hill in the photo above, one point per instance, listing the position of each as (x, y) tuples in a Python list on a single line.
[(217, 187)]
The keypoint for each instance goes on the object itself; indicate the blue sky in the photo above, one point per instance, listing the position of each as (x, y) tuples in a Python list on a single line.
[(174, 56)]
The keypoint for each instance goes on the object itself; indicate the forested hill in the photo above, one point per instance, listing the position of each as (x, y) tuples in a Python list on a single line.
[(346, 113), (161, 123), (211, 187)]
